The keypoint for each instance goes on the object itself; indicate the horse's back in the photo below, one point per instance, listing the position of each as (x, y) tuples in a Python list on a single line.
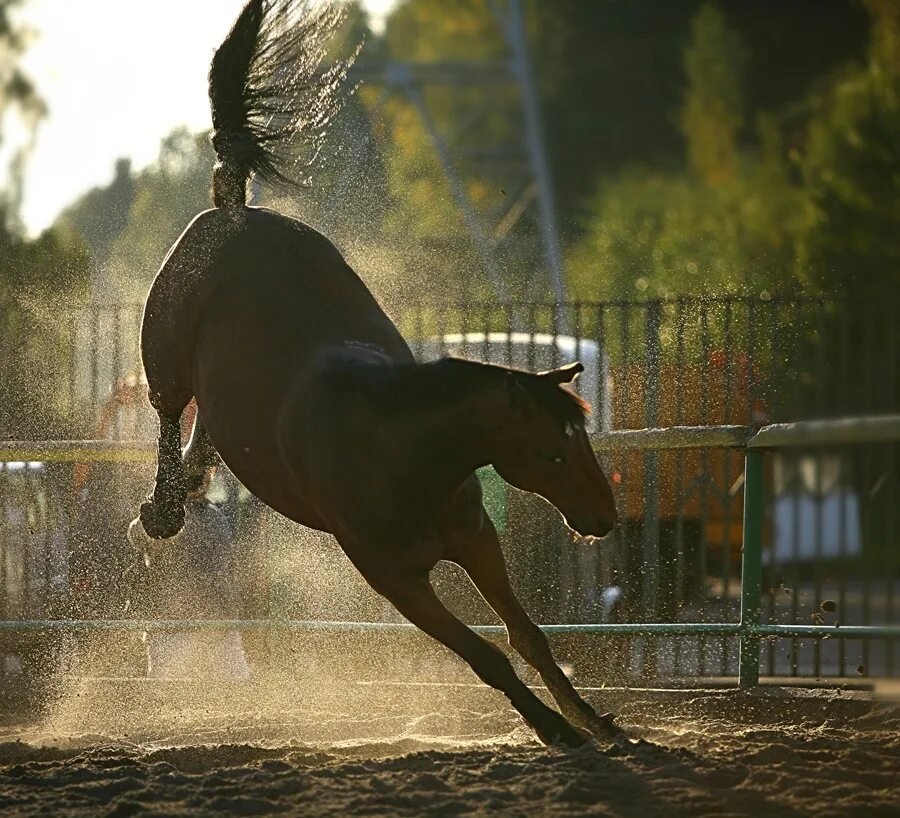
[(261, 277), (280, 292)]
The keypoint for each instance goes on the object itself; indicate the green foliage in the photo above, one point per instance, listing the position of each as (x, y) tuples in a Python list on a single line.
[(33, 274), (100, 215), (34, 277), (713, 205), (714, 105), (850, 239), (434, 31), (666, 235), (621, 82), (19, 95), (727, 227), (129, 225)]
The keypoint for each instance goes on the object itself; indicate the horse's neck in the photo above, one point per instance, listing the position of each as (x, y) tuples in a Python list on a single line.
[(454, 410)]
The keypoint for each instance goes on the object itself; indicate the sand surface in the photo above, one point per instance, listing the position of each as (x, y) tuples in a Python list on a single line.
[(109, 748)]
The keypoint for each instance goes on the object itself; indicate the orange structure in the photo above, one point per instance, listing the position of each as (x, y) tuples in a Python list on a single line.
[(694, 485)]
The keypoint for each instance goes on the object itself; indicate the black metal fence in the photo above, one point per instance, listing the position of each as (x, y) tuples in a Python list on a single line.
[(832, 532)]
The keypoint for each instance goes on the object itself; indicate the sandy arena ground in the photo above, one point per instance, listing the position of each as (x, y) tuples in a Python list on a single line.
[(114, 749)]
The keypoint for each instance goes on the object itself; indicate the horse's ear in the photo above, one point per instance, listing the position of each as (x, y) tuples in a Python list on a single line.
[(565, 374)]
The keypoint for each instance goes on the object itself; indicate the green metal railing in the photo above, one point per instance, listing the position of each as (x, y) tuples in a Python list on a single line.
[(749, 630)]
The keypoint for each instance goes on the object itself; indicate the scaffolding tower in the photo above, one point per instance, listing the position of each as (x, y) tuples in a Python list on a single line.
[(528, 206)]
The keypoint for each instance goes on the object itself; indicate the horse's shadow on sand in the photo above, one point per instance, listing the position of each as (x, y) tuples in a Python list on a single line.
[(627, 778), (660, 780)]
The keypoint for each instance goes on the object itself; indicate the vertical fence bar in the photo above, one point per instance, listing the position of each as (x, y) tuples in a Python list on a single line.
[(651, 590), (728, 346), (4, 554), (797, 408), (651, 462), (72, 337), (890, 509), (751, 568), (95, 365), (682, 592), (869, 393), (418, 331), (821, 362), (706, 345), (509, 320)]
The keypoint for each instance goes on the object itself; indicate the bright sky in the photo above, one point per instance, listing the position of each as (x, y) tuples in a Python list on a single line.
[(117, 75)]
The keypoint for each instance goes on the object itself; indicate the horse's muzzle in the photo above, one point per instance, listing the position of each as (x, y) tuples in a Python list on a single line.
[(594, 525)]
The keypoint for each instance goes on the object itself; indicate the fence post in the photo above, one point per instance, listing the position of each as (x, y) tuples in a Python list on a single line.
[(651, 573), (651, 463), (751, 568)]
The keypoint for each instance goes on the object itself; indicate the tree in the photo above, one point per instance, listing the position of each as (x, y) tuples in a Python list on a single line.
[(34, 275), (661, 235), (724, 227), (17, 95), (100, 215), (167, 196), (35, 278), (713, 110), (849, 239), (609, 77)]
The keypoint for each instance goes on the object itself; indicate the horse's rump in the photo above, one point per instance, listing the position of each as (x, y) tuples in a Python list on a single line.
[(241, 316)]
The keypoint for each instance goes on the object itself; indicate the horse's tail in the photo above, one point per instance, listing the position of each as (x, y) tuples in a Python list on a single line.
[(268, 89)]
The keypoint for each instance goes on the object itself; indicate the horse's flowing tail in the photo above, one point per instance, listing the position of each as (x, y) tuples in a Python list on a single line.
[(271, 96)]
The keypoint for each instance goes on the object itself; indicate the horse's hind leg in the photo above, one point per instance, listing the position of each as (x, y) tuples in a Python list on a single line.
[(199, 456), (162, 516), (482, 559)]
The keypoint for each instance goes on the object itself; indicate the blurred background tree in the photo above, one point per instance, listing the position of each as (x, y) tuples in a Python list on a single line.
[(696, 147), (722, 224), (167, 195), (34, 274), (19, 98), (849, 242)]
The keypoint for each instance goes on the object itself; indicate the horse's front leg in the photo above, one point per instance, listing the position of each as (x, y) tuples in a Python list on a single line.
[(414, 597), (482, 559)]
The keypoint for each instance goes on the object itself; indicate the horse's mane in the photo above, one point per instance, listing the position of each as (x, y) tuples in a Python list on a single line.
[(446, 380)]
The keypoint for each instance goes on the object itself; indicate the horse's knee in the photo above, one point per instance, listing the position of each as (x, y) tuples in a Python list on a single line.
[(169, 401), (530, 642)]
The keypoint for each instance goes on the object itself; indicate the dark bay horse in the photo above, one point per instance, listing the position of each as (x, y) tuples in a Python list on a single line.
[(312, 398)]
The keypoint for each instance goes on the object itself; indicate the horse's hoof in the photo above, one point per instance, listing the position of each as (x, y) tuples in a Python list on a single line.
[(563, 734), (605, 727), (160, 522)]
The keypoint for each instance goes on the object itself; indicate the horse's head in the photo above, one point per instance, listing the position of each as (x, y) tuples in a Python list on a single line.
[(544, 449)]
